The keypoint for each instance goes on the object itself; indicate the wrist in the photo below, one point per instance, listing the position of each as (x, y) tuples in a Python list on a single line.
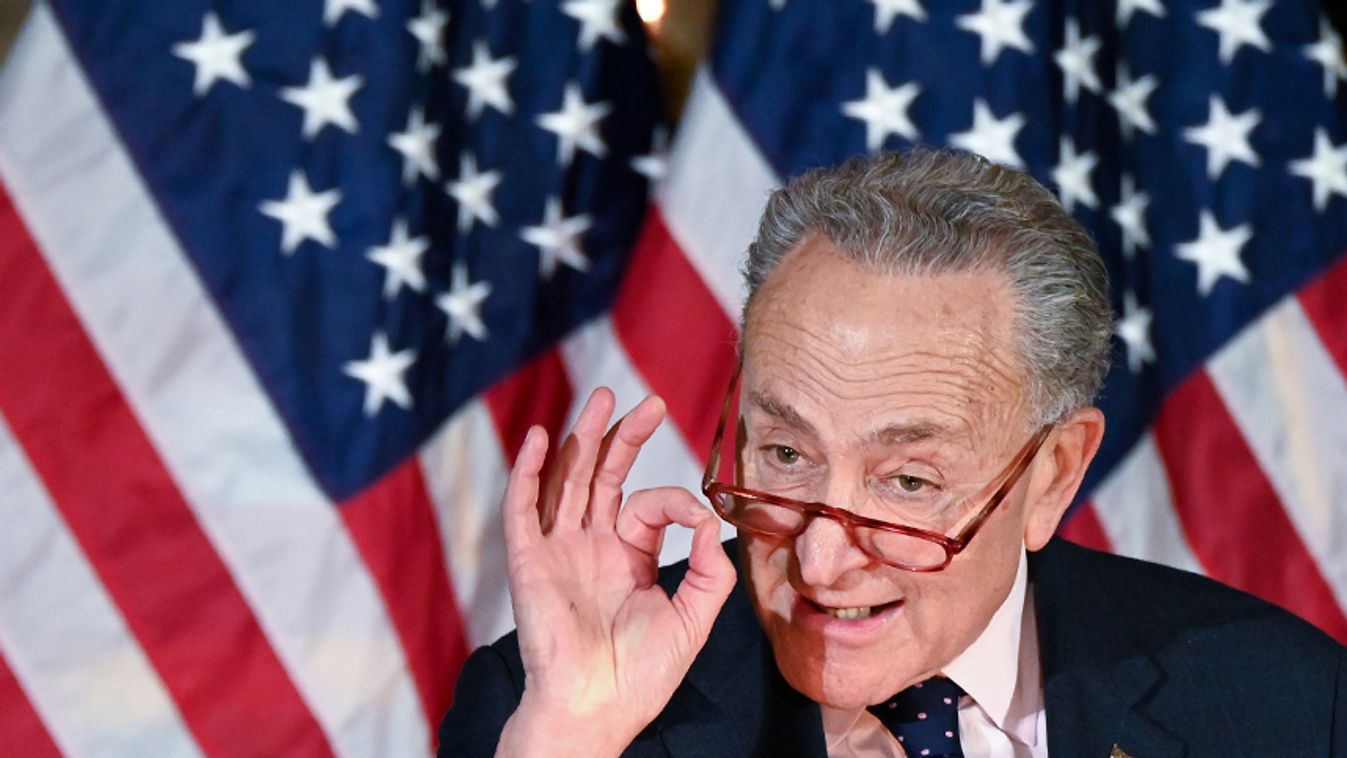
[(536, 730)]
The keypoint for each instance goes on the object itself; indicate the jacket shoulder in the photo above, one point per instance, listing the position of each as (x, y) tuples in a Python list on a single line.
[(1071, 578), (1167, 653)]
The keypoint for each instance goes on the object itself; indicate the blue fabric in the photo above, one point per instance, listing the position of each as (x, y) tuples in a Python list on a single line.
[(925, 718)]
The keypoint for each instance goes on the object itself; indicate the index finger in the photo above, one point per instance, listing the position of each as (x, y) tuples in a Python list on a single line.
[(642, 523)]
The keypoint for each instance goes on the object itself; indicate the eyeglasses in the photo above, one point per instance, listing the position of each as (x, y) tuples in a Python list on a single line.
[(906, 547)]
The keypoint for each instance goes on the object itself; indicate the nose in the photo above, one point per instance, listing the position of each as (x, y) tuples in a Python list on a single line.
[(825, 552)]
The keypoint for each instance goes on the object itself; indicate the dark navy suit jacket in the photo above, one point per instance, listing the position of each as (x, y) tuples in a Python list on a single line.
[(1154, 661)]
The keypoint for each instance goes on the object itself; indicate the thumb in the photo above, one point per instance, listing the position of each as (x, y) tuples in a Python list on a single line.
[(706, 585)]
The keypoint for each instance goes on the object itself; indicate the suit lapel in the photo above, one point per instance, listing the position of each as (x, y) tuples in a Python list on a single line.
[(1102, 712), (1096, 683)]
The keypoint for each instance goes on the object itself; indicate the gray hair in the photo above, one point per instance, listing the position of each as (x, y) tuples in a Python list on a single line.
[(930, 212)]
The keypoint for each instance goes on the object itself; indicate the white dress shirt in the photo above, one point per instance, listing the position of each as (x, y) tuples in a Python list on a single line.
[(1002, 716)]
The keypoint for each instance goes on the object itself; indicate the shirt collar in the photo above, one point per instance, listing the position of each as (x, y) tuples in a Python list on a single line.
[(837, 724), (997, 671)]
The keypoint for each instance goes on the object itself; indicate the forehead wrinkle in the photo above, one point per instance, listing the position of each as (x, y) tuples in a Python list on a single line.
[(819, 368), (972, 360)]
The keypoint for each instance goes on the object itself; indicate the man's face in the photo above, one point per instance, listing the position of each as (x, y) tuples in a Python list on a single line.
[(860, 390)]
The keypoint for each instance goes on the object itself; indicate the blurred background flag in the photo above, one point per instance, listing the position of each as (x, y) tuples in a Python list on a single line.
[(284, 283), (283, 286)]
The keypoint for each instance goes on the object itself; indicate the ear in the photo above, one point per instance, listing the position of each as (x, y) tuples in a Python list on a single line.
[(1058, 472)]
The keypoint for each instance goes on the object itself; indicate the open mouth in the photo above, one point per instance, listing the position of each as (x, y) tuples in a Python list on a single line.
[(854, 613)]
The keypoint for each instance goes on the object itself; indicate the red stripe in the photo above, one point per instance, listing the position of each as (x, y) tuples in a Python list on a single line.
[(393, 525), (128, 516), (1083, 527), (539, 392), (21, 731), (1326, 307), (676, 333), (1230, 514)]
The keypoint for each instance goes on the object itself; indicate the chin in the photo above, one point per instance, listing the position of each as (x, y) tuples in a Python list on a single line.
[(848, 679)]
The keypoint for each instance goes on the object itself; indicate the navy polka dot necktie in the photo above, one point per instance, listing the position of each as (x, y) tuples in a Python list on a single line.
[(925, 718)]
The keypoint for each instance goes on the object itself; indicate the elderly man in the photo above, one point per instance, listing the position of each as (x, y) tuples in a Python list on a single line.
[(922, 340)]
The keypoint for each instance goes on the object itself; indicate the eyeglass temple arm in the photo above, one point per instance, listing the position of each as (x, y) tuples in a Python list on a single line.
[(1022, 461), (713, 460)]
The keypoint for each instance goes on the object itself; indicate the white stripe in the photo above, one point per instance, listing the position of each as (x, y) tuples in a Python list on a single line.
[(466, 473), (179, 367), (717, 185), (1289, 399), (68, 645), (1135, 506), (593, 357)]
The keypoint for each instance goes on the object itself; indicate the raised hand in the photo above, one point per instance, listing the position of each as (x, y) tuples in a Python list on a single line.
[(603, 646)]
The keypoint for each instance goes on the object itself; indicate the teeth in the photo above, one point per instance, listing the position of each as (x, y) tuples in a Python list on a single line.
[(849, 614)]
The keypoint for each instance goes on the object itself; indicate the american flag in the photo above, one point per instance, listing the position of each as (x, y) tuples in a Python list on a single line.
[(285, 283)]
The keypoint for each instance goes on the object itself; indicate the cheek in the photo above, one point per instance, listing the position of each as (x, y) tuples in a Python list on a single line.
[(767, 560), (967, 593)]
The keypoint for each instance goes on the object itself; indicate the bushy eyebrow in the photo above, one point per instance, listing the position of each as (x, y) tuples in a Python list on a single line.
[(781, 411), (914, 431), (899, 433)]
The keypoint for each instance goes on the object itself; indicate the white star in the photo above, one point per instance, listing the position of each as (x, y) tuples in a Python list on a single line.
[(884, 110), (325, 100), (1000, 23), (216, 55), (1238, 23), (382, 374), (1076, 59), (576, 125), (887, 10), (1225, 137), (303, 214), (417, 146), (1127, 7), (1327, 168), (1129, 99), (463, 305), (473, 193), (333, 10), (428, 29), (558, 239), (598, 18), (1130, 214), (777, 4), (990, 138), (1072, 175), (1328, 52), (401, 258), (1216, 252), (485, 80), (1134, 329), (655, 164)]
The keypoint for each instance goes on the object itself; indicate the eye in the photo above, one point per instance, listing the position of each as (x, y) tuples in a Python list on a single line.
[(787, 455), (910, 483)]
